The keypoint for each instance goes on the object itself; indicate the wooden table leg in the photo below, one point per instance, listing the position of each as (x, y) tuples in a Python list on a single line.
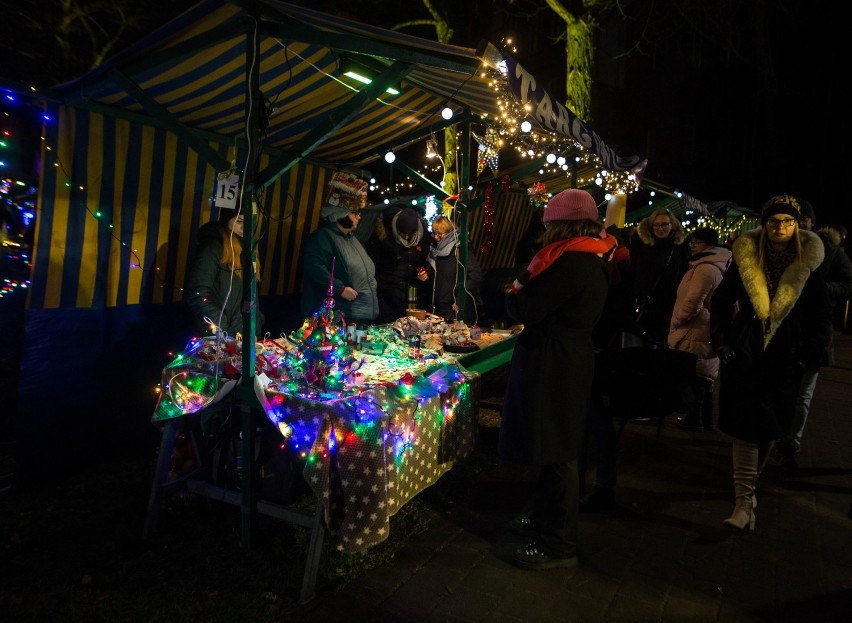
[(161, 471)]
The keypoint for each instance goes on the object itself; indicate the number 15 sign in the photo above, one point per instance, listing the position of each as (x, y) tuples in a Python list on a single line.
[(227, 190)]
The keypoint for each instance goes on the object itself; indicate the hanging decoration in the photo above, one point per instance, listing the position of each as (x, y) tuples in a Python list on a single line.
[(448, 205), (563, 150), (488, 147), (488, 224), (538, 194)]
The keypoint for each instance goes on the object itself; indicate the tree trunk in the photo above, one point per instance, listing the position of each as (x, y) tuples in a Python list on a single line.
[(579, 56)]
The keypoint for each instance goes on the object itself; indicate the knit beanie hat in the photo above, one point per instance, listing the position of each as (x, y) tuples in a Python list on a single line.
[(780, 204), (407, 221), (707, 235), (571, 205), (346, 193), (807, 210)]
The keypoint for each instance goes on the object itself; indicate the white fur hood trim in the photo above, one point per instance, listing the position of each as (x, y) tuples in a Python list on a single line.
[(789, 287)]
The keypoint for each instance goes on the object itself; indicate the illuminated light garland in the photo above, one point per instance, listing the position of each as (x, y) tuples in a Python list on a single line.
[(538, 144)]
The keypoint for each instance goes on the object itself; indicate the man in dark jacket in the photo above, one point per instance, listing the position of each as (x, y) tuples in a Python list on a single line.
[(399, 247), (836, 269)]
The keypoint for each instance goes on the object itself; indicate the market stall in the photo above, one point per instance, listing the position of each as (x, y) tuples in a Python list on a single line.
[(371, 415)]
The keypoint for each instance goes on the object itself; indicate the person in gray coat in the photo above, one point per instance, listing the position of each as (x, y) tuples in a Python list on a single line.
[(334, 245), (550, 377)]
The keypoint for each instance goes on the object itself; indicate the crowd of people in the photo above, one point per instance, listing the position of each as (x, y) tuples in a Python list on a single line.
[(755, 312)]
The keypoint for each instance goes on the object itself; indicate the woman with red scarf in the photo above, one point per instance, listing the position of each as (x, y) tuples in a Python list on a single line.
[(559, 300)]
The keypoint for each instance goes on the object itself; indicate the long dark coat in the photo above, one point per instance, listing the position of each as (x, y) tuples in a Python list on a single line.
[(658, 267), (774, 341), (552, 367)]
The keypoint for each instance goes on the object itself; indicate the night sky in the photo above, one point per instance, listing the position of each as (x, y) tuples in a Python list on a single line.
[(738, 123)]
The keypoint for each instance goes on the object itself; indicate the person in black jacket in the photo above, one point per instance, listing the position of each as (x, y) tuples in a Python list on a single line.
[(444, 260), (836, 269), (660, 258), (399, 248), (214, 286), (551, 372)]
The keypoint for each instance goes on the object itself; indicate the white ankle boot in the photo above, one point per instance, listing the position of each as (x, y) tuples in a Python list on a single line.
[(743, 517)]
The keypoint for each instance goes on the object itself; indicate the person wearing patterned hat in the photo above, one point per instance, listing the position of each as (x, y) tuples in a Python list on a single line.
[(550, 375), (335, 244), (770, 320)]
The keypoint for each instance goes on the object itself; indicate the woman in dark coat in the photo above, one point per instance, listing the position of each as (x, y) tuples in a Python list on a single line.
[(659, 257), (782, 328), (214, 286), (550, 377)]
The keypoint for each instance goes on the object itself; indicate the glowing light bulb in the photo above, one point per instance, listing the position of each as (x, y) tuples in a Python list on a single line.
[(390, 157), (447, 113)]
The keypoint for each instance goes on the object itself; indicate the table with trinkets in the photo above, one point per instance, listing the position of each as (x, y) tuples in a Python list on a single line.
[(373, 427)]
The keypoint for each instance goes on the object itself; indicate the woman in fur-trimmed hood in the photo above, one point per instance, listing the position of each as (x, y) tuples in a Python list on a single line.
[(783, 326), (659, 258), (399, 247)]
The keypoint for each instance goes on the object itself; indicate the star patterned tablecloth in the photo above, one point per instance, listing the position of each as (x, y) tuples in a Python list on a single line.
[(367, 455), (367, 449)]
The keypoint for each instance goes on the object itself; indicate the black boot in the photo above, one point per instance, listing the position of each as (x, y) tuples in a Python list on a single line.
[(601, 500), (707, 409), (695, 419), (691, 421)]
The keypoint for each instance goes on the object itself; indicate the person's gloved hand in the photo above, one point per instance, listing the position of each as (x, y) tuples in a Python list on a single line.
[(725, 353)]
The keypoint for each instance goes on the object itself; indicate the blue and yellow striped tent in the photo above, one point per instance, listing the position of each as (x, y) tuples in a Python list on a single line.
[(130, 158)]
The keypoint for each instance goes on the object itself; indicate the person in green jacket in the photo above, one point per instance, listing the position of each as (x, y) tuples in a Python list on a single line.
[(334, 254), (214, 287)]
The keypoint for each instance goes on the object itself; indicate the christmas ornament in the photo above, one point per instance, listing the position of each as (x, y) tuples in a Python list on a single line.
[(538, 194), (323, 358), (487, 154), (488, 224)]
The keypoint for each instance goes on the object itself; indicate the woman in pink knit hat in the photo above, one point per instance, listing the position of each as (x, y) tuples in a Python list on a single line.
[(559, 300)]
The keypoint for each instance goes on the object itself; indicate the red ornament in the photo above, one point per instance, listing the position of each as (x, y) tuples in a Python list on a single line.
[(488, 224)]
